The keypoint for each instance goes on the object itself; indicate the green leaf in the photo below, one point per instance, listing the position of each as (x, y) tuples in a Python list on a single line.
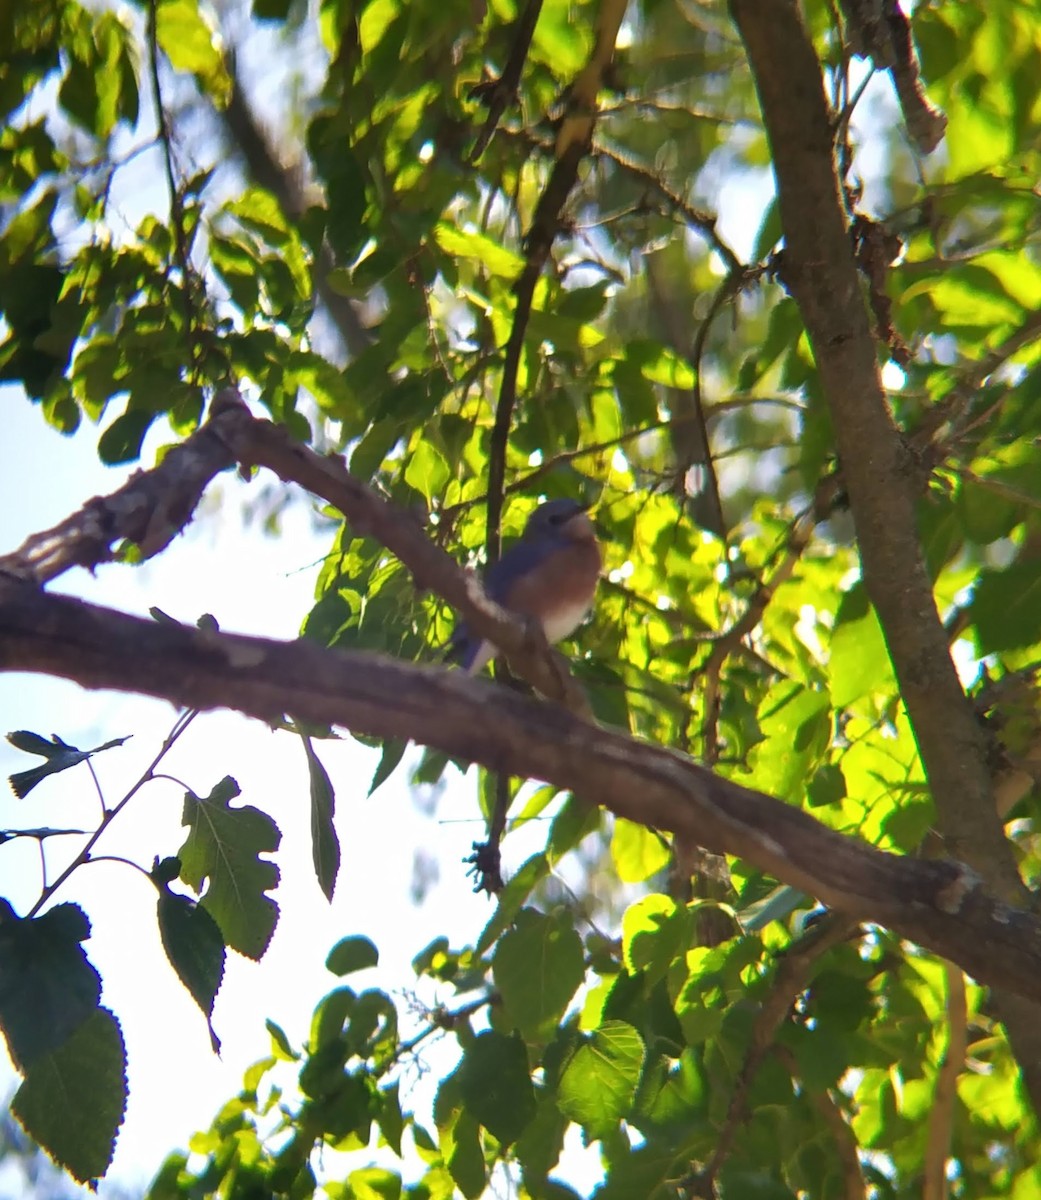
[(538, 967), (393, 752), (48, 989), (649, 1172), (489, 252), (374, 1183), (121, 441), (280, 1042), (190, 44), (655, 930), (512, 898), (495, 1082), (194, 945), (637, 852), (224, 846), (599, 1083), (72, 1100), (796, 722), (1005, 608), (539, 1148), (859, 659), (461, 1147), (427, 471), (391, 1119), (352, 954), (329, 142), (325, 846)]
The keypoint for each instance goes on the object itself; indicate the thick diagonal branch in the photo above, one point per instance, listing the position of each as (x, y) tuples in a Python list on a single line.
[(938, 904), (154, 506), (880, 473)]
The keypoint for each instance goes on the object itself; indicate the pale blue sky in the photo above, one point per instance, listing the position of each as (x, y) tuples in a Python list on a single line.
[(251, 584)]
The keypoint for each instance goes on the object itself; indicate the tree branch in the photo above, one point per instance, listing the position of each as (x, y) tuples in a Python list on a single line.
[(573, 141), (878, 468), (819, 268), (793, 976), (941, 905), (153, 506)]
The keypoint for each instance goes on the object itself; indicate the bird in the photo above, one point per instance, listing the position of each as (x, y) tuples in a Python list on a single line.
[(548, 575)]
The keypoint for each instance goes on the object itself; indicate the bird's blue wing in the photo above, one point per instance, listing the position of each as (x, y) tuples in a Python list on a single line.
[(523, 556)]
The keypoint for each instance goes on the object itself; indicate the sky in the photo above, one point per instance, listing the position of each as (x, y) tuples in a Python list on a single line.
[(252, 584)]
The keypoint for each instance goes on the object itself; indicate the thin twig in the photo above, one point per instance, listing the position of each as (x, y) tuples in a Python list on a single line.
[(498, 94), (945, 1097), (842, 1137), (179, 726), (181, 251), (698, 219), (792, 976), (798, 538), (574, 137)]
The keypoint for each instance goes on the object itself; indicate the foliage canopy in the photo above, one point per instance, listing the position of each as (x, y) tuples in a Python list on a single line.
[(489, 253)]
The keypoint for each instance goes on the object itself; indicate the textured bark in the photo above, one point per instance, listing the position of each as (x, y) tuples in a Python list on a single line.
[(881, 475), (940, 905)]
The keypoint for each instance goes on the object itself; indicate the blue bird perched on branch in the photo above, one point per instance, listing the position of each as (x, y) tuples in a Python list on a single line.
[(548, 575)]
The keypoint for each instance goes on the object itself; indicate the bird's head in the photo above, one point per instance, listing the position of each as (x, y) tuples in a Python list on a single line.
[(555, 518)]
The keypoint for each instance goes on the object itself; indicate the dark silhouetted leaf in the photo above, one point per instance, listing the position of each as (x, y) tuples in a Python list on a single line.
[(325, 846), (73, 1099), (495, 1083), (47, 986), (59, 755), (352, 954), (194, 945)]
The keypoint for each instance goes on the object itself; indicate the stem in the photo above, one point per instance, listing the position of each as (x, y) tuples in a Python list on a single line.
[(180, 725)]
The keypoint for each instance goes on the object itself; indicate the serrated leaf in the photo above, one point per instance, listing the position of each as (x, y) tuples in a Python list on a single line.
[(599, 1082), (495, 1084), (223, 847), (195, 947), (73, 1099), (352, 954), (47, 986), (325, 846), (538, 967), (655, 930)]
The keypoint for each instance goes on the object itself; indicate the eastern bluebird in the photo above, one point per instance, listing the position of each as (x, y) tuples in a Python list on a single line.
[(550, 575)]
